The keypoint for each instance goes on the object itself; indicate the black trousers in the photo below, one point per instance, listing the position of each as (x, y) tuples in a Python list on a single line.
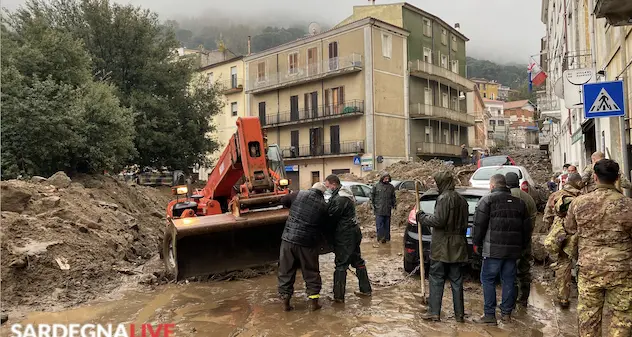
[(347, 251), (293, 257), (439, 272)]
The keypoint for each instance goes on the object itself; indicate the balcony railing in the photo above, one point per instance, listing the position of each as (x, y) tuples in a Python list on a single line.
[(327, 149), (420, 110), (304, 73), (425, 69), (350, 108), (424, 148), (232, 85)]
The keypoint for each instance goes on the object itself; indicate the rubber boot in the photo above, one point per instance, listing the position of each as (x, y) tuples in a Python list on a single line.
[(363, 282), (340, 284), (314, 304), (286, 303)]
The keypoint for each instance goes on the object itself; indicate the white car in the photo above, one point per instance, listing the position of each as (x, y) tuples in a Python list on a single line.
[(361, 192), (481, 177)]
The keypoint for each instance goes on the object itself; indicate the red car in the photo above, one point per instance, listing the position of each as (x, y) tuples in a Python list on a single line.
[(496, 161)]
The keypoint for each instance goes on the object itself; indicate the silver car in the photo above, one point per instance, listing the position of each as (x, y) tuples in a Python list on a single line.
[(361, 192)]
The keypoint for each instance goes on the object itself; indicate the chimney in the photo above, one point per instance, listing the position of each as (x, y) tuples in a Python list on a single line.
[(248, 44), (457, 26), (372, 2)]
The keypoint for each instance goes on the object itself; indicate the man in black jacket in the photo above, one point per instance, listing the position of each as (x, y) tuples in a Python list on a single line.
[(347, 239), (383, 201), (448, 248), (502, 228), (299, 244)]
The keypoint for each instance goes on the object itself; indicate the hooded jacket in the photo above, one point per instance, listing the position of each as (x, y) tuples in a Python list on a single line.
[(341, 210), (383, 197), (449, 222), (513, 182), (308, 214)]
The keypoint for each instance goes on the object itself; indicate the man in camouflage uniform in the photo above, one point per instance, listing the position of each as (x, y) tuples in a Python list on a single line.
[(602, 220), (589, 182), (549, 211), (563, 262)]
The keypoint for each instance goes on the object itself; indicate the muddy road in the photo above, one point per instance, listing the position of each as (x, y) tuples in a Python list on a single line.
[(249, 307)]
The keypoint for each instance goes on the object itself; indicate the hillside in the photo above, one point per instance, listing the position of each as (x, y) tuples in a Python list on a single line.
[(513, 76)]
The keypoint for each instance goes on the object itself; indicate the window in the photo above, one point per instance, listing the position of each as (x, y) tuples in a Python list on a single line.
[(340, 171), (444, 100), (492, 95), (427, 28), (262, 113), (334, 100), (444, 61), (455, 66), (333, 55), (454, 45), (492, 122), (292, 61), (294, 147), (387, 45), (501, 122), (316, 145), (484, 95), (294, 108), (233, 77), (428, 96), (261, 71), (455, 103), (312, 61), (446, 136), (357, 191), (444, 37), (428, 55), (334, 139), (428, 137), (233, 109), (455, 137), (366, 190)]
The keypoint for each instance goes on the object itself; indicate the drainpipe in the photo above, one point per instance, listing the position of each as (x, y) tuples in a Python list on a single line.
[(622, 121)]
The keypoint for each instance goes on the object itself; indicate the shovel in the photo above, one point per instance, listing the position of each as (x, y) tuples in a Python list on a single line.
[(422, 272)]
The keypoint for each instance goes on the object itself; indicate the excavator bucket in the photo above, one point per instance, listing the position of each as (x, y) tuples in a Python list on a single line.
[(213, 244)]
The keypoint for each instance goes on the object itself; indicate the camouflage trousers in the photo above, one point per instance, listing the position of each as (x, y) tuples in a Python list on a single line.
[(563, 276), (610, 288), (523, 277)]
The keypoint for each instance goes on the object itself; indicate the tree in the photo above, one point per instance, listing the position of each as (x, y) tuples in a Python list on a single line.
[(54, 115), (133, 51)]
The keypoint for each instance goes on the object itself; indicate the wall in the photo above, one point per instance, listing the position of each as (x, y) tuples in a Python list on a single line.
[(324, 167)]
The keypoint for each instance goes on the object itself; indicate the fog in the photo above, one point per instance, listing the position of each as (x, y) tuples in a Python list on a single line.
[(503, 31)]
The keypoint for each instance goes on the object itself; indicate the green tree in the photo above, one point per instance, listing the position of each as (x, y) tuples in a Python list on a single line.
[(131, 49)]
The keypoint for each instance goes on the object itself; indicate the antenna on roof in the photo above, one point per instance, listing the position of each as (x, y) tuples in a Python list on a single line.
[(314, 28)]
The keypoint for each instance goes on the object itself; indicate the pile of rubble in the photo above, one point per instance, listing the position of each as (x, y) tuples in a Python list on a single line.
[(68, 241), (399, 219), (537, 163)]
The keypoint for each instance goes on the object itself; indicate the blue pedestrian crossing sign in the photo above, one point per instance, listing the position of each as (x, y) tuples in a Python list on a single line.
[(356, 160), (603, 99)]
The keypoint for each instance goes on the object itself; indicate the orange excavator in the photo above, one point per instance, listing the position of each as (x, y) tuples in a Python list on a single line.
[(236, 220)]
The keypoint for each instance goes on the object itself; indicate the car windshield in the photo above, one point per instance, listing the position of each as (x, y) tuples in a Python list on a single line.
[(486, 173), (495, 160), (427, 205)]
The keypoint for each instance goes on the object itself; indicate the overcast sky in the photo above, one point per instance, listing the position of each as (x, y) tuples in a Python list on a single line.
[(499, 30)]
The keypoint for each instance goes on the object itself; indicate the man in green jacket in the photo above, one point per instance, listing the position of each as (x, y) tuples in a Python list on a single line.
[(448, 248), (523, 275)]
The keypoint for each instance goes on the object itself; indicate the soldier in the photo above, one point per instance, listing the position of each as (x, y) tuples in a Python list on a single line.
[(557, 240), (549, 211), (589, 182), (602, 221)]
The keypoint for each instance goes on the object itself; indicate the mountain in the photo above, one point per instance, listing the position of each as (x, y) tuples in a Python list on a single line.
[(513, 76)]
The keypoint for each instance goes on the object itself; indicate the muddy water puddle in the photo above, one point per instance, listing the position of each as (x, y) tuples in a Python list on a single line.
[(250, 308)]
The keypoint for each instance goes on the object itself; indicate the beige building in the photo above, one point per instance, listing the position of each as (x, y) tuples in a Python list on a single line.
[(228, 74), (335, 102)]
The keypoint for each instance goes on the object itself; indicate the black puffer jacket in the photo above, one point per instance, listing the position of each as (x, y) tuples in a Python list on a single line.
[(342, 211), (383, 197), (307, 216), (501, 225)]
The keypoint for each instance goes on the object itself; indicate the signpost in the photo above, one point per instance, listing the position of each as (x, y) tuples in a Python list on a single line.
[(574, 80), (356, 160), (604, 99)]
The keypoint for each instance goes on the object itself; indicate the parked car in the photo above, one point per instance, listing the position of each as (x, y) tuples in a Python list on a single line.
[(361, 192), (495, 161), (404, 185), (480, 178), (427, 204)]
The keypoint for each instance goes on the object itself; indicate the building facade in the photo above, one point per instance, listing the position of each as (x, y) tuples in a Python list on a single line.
[(482, 116), (489, 89), (440, 119), (523, 130), (331, 99), (498, 127), (503, 92)]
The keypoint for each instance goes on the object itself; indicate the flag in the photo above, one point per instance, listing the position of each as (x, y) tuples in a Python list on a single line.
[(536, 75)]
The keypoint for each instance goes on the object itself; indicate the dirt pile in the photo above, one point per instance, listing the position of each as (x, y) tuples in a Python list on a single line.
[(423, 171), (536, 162), (399, 218), (67, 241)]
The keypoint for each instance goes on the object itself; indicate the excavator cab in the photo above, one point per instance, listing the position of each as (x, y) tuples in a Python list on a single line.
[(220, 228)]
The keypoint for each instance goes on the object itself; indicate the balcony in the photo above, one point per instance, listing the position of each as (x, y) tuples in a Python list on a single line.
[(231, 86), (427, 111), (303, 74), (437, 149), (616, 12), (323, 112), (420, 68), (324, 150)]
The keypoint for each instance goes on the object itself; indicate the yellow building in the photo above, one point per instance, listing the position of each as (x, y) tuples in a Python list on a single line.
[(229, 75), (488, 89), (335, 102)]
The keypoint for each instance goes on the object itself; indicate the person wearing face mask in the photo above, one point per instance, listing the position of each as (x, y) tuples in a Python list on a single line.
[(383, 201), (347, 238)]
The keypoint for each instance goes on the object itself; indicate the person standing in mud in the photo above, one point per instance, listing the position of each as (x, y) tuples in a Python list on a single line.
[(502, 228), (347, 239), (448, 250), (383, 201), (299, 244), (558, 243), (523, 274), (602, 220)]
